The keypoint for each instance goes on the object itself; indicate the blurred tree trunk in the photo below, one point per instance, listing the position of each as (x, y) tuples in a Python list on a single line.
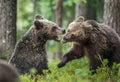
[(59, 6), (7, 25), (91, 10), (36, 7), (52, 9), (88, 9), (80, 9), (112, 14)]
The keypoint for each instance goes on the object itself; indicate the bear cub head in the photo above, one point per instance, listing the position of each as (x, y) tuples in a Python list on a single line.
[(80, 30), (48, 28)]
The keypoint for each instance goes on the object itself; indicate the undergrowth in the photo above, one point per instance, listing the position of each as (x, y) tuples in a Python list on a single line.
[(75, 71)]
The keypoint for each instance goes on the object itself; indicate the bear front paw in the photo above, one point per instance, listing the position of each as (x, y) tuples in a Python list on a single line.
[(61, 64)]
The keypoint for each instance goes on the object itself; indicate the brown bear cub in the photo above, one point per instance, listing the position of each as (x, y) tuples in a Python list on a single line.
[(8, 73), (30, 51), (91, 39)]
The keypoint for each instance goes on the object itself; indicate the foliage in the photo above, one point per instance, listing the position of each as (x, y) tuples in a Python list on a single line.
[(98, 5), (24, 16), (69, 73), (3, 57), (75, 71), (6, 55), (107, 74), (71, 2)]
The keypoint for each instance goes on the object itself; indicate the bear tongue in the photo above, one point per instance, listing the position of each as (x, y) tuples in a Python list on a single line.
[(57, 39)]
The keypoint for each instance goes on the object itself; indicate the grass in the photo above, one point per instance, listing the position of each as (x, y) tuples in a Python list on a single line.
[(76, 71)]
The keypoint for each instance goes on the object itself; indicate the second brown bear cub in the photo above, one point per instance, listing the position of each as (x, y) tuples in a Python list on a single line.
[(94, 40), (30, 51), (8, 73)]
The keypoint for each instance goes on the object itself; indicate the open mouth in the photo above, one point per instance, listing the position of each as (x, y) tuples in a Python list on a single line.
[(56, 38)]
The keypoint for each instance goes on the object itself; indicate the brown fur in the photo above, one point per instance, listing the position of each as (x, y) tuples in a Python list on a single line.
[(94, 40), (30, 51), (8, 73)]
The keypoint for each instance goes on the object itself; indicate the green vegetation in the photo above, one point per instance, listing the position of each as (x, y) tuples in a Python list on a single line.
[(75, 71), (106, 74), (72, 72)]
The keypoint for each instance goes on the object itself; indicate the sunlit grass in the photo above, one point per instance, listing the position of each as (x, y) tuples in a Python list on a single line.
[(75, 71), (70, 73)]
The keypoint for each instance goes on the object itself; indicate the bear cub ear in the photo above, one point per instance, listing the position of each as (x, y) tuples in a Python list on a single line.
[(93, 23), (79, 19), (38, 24), (38, 17)]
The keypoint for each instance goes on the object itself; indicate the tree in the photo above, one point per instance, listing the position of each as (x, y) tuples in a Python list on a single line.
[(36, 7), (7, 25), (91, 10), (112, 14), (59, 22), (80, 9)]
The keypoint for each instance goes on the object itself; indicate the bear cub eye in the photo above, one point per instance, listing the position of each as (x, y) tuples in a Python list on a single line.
[(54, 28), (72, 36), (68, 30)]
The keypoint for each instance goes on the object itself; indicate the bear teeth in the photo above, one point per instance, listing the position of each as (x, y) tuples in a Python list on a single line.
[(64, 41), (57, 39)]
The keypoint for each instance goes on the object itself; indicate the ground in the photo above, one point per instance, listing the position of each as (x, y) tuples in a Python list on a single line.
[(77, 72)]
